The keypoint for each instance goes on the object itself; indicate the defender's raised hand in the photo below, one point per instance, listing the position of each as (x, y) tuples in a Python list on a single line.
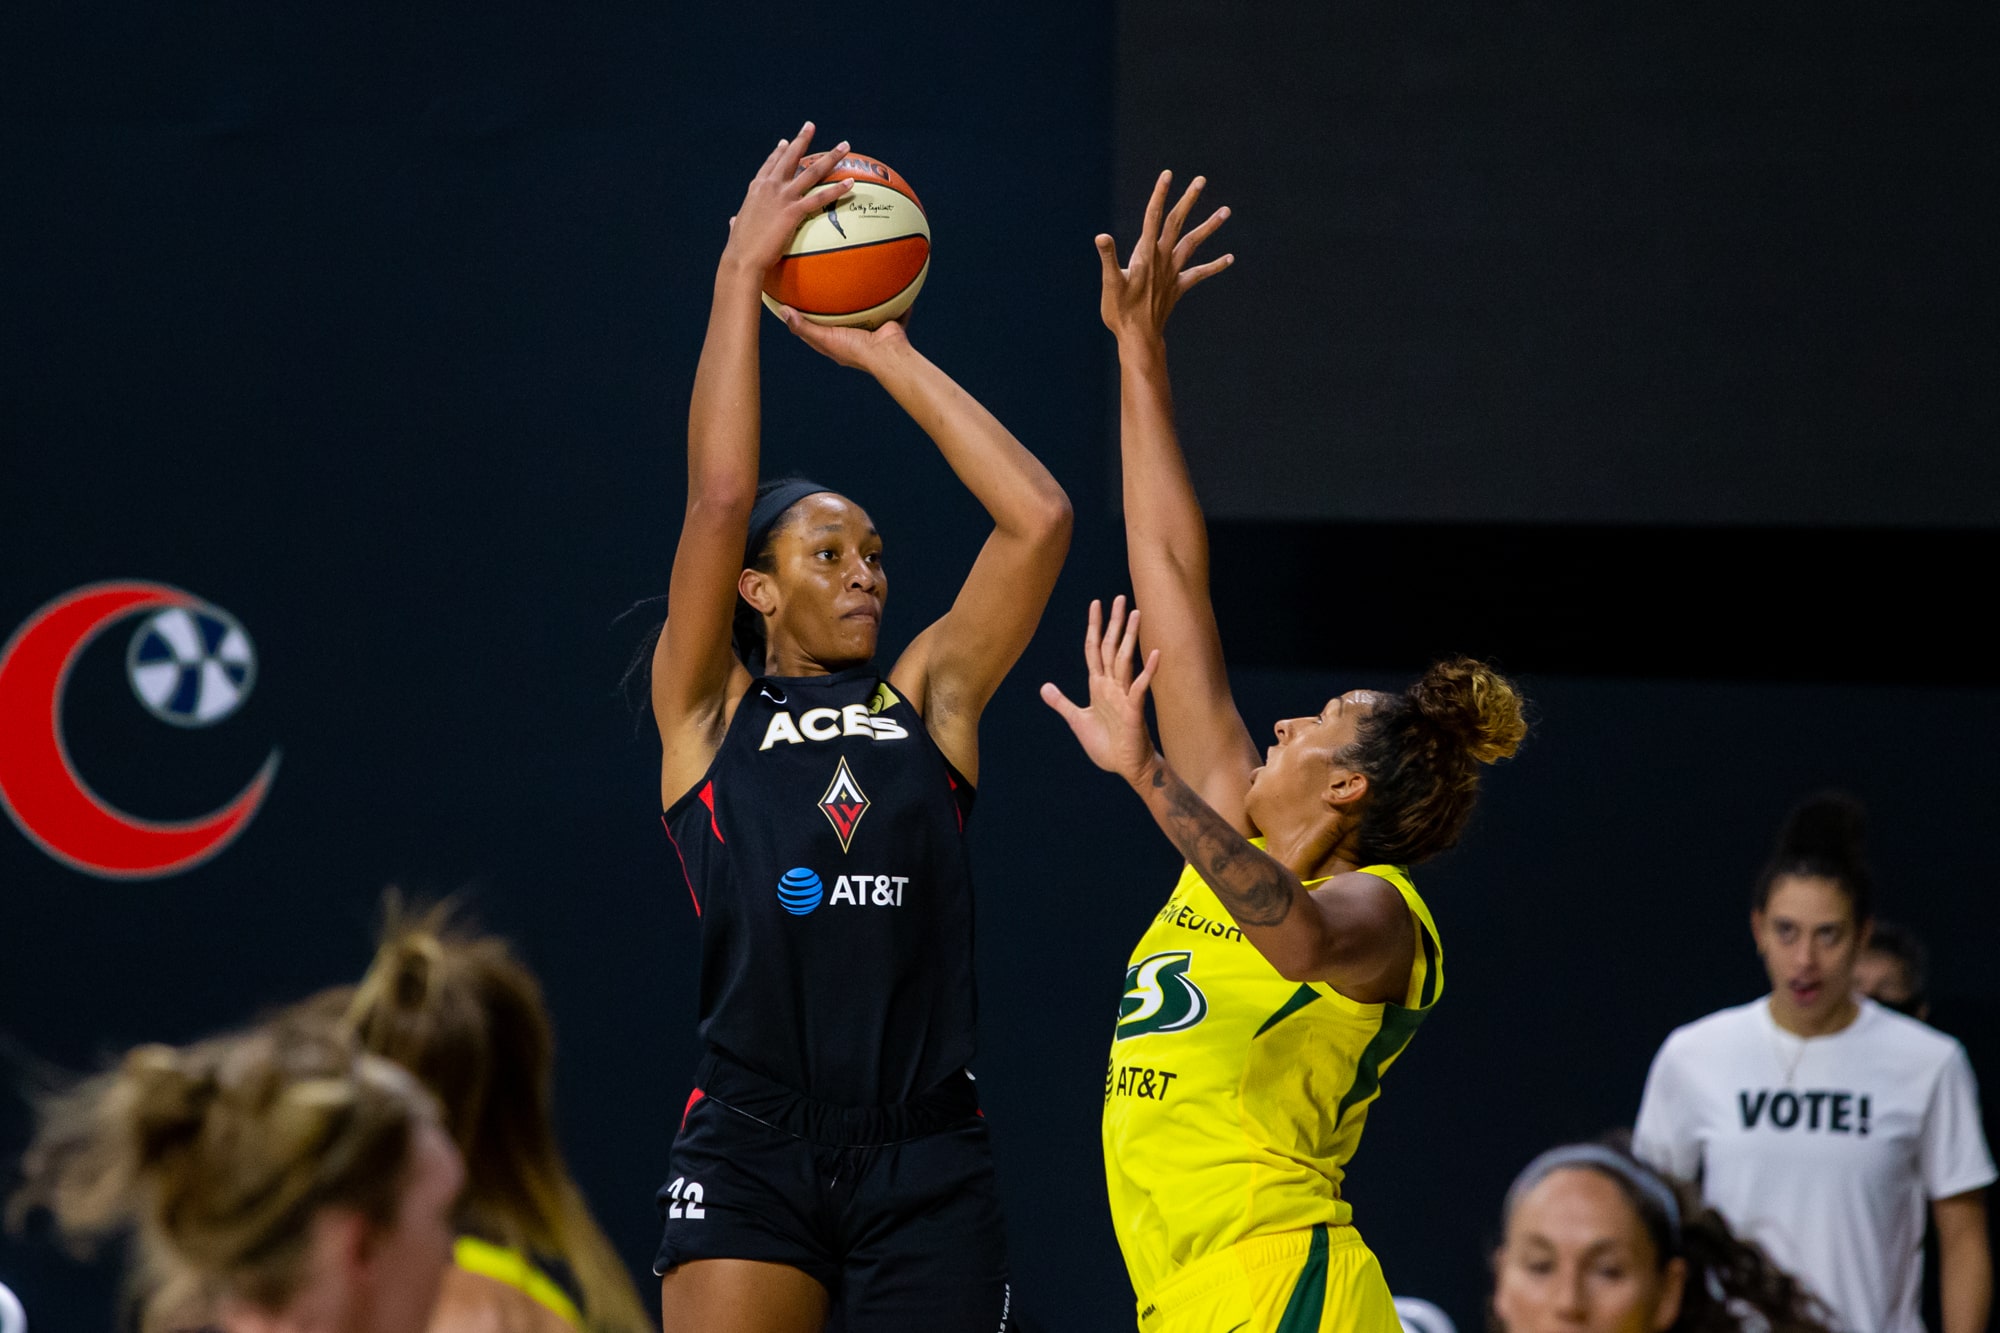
[(780, 197), (1112, 728), (1137, 298)]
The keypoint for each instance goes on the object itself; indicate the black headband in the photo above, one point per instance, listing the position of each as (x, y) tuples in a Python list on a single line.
[(771, 507)]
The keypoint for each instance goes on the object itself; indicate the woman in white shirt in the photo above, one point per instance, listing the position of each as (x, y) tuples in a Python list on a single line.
[(1819, 1123)]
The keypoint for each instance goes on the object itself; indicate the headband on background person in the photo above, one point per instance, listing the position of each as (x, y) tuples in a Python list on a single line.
[(1608, 1160), (764, 515)]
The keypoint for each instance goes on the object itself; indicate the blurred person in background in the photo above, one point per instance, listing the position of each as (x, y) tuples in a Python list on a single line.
[(274, 1181), (1593, 1241), (1894, 969), (462, 1013), (1820, 1123)]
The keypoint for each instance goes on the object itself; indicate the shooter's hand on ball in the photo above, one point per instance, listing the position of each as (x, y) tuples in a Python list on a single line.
[(855, 348), (1112, 729), (779, 198), (1138, 297)]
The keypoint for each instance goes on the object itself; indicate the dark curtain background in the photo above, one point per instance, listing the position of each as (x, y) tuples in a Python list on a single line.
[(375, 326)]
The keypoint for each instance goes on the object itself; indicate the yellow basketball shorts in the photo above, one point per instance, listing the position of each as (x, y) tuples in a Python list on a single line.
[(1324, 1280)]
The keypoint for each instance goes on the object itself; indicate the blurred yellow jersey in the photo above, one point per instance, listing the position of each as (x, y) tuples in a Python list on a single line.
[(1234, 1098)]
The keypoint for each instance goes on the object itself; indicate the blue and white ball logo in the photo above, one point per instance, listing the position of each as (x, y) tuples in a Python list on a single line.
[(800, 891), (191, 666)]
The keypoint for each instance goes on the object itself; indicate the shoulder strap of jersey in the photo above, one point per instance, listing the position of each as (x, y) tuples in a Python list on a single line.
[(512, 1268), (1427, 970)]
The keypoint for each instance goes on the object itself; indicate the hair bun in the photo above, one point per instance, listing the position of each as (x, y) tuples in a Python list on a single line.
[(1828, 826), (1475, 705), (408, 966), (170, 1097), (414, 958)]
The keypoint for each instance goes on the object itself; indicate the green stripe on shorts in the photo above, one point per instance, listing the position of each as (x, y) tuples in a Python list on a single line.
[(1308, 1300)]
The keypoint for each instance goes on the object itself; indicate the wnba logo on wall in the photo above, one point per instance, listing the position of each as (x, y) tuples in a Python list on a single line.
[(189, 664)]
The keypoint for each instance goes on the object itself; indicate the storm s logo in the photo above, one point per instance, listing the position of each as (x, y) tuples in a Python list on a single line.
[(1160, 996)]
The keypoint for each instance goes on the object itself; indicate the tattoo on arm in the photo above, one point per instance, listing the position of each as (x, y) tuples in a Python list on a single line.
[(1257, 890)]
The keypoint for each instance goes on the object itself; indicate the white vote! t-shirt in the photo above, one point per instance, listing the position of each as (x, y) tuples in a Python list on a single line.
[(1826, 1151)]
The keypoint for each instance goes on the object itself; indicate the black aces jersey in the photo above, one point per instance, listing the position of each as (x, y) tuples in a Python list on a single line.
[(825, 849)]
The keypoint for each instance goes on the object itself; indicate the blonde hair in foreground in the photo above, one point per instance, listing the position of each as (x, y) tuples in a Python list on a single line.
[(215, 1157), (462, 1013)]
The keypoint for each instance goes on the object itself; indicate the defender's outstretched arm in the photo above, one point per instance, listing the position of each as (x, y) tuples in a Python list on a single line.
[(1166, 539)]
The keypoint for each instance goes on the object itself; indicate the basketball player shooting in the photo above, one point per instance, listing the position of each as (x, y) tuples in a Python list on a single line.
[(832, 1155)]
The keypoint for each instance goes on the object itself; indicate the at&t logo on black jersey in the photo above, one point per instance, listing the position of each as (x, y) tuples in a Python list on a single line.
[(801, 891)]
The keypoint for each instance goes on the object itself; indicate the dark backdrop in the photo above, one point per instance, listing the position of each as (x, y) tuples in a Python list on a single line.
[(1711, 263), (375, 327)]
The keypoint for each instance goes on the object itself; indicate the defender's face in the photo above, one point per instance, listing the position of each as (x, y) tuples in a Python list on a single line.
[(1577, 1259), (830, 587), (1298, 769), (1807, 936)]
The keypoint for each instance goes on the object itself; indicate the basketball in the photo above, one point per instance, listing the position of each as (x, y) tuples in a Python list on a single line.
[(861, 262)]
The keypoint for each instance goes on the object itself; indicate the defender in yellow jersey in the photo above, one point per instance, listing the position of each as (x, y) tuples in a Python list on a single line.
[(1235, 1098), (1294, 960)]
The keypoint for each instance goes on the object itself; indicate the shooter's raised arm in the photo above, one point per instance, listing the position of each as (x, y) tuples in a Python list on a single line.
[(693, 667)]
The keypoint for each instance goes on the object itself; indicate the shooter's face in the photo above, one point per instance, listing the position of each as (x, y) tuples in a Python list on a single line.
[(1809, 940), (823, 603)]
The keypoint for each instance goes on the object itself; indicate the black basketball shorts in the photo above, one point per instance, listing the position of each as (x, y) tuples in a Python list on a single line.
[(892, 1209)]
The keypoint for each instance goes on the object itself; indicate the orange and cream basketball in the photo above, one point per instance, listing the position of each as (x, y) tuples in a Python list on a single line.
[(861, 262)]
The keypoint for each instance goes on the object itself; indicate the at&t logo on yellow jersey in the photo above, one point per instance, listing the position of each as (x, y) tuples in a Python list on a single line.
[(1160, 996)]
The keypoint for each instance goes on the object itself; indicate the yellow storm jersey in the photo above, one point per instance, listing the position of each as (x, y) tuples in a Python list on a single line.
[(1234, 1098)]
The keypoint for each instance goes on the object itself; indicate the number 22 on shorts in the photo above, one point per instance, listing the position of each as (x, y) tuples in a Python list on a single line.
[(686, 1194)]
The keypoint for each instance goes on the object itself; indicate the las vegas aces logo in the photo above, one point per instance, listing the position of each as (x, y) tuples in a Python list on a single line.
[(844, 803)]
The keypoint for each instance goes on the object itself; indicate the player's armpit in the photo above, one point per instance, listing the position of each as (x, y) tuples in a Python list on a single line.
[(1371, 938)]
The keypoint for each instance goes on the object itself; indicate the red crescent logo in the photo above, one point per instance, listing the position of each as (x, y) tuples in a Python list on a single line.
[(42, 790)]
